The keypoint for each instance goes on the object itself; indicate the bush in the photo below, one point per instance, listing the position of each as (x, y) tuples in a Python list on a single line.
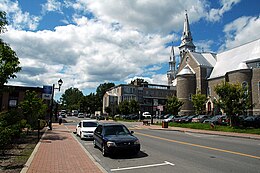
[(5, 138)]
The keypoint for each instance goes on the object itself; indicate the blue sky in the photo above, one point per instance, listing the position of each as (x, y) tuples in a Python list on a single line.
[(89, 42)]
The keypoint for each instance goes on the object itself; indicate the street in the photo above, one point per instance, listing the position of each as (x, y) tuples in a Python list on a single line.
[(174, 151)]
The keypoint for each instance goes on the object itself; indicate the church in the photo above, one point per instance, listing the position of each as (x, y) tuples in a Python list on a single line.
[(202, 71)]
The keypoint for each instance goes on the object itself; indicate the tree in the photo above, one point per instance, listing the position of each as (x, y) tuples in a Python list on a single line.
[(89, 103), (108, 110), (100, 91), (33, 108), (134, 106), (199, 101), (173, 105), (233, 100), (71, 98), (124, 107), (9, 62)]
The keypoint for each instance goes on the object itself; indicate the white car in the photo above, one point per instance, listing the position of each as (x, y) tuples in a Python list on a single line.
[(85, 128)]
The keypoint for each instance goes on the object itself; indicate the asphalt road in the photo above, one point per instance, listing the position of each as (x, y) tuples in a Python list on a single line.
[(172, 151)]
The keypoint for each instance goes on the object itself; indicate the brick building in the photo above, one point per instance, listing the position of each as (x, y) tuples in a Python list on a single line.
[(11, 96)]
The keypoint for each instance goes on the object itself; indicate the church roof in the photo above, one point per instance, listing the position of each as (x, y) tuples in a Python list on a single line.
[(185, 71), (204, 59), (230, 60)]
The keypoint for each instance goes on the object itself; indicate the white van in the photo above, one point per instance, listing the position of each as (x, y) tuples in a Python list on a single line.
[(147, 115)]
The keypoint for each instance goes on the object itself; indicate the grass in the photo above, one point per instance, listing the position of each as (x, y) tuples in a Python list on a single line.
[(203, 126)]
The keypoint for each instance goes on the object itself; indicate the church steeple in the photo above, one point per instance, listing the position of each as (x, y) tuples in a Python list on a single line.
[(171, 74), (186, 38)]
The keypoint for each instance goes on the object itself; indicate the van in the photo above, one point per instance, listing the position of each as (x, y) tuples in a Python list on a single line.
[(147, 115)]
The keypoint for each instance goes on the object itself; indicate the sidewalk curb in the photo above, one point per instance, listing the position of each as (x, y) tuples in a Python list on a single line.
[(89, 155), (29, 161)]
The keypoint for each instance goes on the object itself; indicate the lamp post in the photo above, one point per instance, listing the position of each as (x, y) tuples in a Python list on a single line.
[(60, 82), (152, 112)]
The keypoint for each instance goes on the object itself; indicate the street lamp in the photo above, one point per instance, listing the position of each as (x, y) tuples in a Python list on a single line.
[(60, 82)]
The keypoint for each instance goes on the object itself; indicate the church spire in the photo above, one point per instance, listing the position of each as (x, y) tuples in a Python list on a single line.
[(171, 74), (186, 38)]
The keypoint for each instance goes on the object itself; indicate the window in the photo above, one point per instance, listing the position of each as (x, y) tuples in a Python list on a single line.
[(258, 65), (190, 96), (209, 91)]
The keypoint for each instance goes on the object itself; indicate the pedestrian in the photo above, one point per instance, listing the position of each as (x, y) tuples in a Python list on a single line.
[(60, 119)]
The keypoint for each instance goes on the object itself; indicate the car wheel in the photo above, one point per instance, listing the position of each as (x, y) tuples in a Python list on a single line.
[(104, 152), (94, 143), (81, 137)]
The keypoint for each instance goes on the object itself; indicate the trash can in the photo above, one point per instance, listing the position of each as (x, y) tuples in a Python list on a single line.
[(164, 124)]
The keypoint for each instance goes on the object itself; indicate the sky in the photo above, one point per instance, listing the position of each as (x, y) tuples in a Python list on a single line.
[(90, 42)]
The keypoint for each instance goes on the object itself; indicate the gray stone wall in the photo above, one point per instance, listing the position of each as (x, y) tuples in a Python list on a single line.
[(186, 85), (256, 90)]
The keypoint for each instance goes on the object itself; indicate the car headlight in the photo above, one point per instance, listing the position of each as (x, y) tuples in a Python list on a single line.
[(137, 142), (111, 144)]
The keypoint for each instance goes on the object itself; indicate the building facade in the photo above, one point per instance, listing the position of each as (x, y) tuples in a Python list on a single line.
[(11, 96), (201, 72), (151, 97)]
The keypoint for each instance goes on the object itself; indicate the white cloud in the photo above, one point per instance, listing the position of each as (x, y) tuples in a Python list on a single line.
[(241, 31), (85, 55), (52, 5), (204, 45), (215, 15), (145, 16), (19, 19)]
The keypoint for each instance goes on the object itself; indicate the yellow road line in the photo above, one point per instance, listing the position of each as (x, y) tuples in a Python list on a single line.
[(200, 146)]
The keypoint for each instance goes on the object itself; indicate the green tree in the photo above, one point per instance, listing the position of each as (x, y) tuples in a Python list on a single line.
[(124, 107), (100, 91), (199, 102), (33, 108), (9, 62), (89, 103), (233, 100), (71, 98), (134, 106), (173, 105), (108, 110)]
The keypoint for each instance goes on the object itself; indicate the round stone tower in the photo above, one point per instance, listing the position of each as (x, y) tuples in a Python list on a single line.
[(186, 87)]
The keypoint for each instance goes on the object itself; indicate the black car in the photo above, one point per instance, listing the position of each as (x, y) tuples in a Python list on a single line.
[(251, 121), (112, 138)]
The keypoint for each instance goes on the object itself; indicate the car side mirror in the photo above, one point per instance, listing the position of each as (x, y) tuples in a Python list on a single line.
[(132, 132)]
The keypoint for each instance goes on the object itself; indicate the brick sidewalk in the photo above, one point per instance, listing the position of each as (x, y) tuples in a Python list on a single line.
[(59, 152)]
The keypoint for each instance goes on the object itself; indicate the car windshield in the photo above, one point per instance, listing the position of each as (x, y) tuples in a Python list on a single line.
[(116, 130), (89, 124)]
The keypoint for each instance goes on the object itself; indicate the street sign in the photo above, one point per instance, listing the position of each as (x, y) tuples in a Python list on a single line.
[(47, 92)]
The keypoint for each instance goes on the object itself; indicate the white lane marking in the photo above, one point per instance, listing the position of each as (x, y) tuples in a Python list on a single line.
[(144, 166), (199, 135)]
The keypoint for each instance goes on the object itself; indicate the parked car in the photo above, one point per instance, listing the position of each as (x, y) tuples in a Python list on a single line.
[(81, 115), (217, 120), (199, 118), (100, 117), (169, 119), (115, 137), (180, 119), (85, 128), (188, 119), (251, 121)]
